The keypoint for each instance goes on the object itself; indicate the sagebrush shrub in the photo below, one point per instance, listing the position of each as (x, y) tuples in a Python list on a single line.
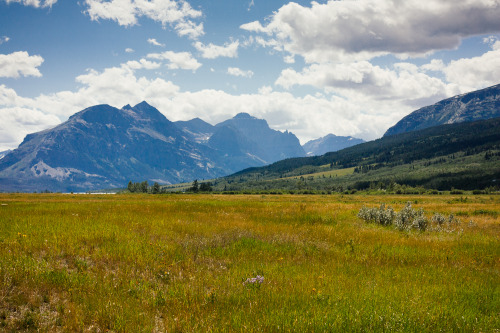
[(380, 215), (408, 218)]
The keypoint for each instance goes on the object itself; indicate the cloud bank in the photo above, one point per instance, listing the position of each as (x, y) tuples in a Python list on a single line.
[(361, 30)]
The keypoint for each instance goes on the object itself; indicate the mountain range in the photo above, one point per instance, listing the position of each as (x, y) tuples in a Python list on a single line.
[(105, 147)]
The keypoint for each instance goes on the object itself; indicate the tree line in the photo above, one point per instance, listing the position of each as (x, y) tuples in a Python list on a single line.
[(143, 187)]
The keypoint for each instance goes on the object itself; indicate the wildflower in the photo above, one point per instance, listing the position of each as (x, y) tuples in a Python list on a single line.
[(256, 280)]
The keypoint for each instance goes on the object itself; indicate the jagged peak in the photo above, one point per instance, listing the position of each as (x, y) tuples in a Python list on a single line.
[(142, 105)]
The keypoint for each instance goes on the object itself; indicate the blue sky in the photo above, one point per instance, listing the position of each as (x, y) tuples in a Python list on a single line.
[(342, 67)]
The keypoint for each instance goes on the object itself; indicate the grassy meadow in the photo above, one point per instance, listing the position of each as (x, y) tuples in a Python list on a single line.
[(183, 263)]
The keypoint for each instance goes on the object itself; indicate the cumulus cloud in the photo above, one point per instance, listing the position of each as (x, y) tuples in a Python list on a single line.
[(142, 64), (477, 72), (16, 123), (154, 42), (211, 51), (19, 64), (34, 3), (361, 30), (4, 39), (175, 13), (177, 60), (129, 50), (404, 82), (234, 71)]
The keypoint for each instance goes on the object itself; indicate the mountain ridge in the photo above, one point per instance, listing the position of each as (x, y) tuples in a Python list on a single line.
[(472, 106)]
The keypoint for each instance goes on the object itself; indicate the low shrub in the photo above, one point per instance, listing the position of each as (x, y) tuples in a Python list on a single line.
[(408, 218)]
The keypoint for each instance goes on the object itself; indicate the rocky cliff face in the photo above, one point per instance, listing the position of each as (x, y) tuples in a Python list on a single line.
[(476, 105)]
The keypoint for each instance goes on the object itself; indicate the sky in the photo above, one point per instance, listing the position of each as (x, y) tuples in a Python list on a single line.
[(347, 67)]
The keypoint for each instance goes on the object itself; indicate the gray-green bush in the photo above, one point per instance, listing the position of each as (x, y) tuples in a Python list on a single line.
[(408, 218)]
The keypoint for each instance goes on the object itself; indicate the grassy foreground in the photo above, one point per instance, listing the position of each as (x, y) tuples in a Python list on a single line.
[(132, 263)]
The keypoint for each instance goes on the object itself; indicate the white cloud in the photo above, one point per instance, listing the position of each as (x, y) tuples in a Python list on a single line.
[(16, 123), (177, 60), (405, 83), (477, 72), (4, 39), (212, 51), (129, 50), (176, 13), (189, 29), (361, 30), (436, 65), (250, 5), (34, 3), (265, 90), (234, 71), (142, 64), (117, 86), (154, 42), (19, 64), (490, 40), (290, 59)]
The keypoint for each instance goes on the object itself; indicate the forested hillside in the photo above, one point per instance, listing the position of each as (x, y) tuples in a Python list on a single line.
[(464, 155)]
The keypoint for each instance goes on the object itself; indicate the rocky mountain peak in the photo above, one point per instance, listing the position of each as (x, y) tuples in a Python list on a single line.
[(243, 115)]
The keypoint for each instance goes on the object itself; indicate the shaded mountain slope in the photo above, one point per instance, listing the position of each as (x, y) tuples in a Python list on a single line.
[(473, 106)]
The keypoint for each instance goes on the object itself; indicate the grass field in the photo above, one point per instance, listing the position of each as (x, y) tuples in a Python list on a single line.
[(154, 263)]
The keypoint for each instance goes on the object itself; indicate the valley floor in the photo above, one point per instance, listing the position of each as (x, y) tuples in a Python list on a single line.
[(131, 263)]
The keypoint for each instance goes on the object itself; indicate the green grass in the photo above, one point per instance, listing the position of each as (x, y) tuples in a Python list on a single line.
[(131, 263)]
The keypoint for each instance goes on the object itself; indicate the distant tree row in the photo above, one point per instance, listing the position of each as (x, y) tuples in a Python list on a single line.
[(143, 187)]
